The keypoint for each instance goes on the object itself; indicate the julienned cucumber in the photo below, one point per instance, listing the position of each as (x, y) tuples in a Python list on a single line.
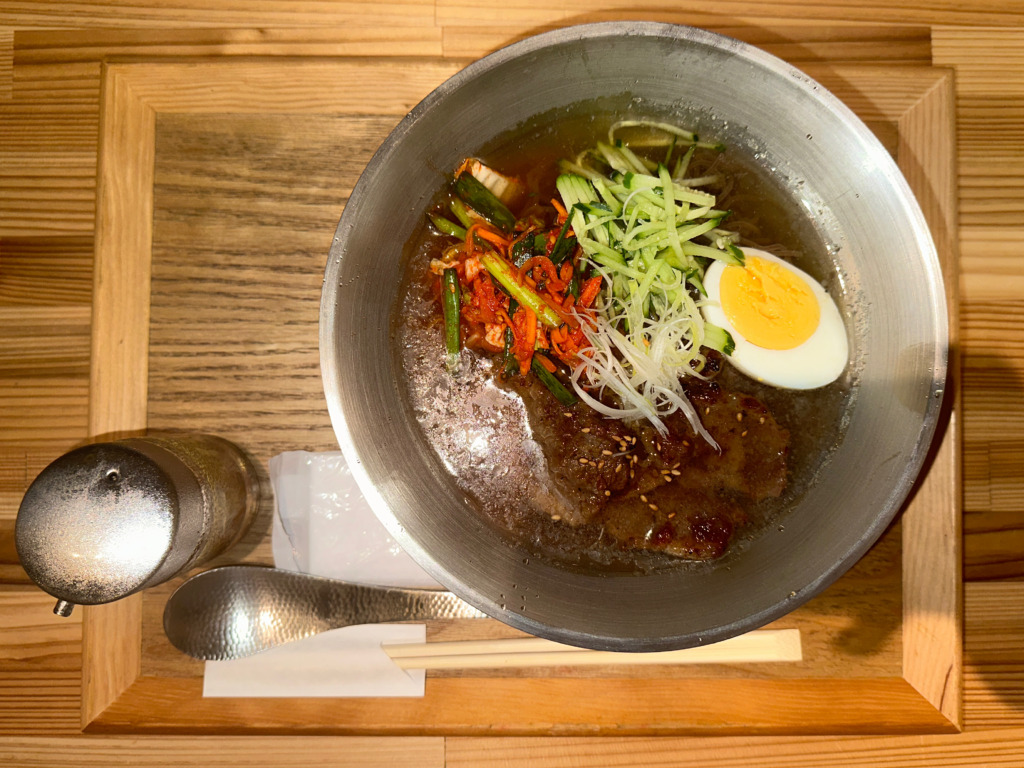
[(718, 338)]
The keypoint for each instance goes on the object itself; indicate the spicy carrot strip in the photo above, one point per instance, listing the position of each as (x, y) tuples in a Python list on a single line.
[(492, 237), (590, 290), (508, 320), (562, 213), (545, 265), (548, 365), (530, 323), (479, 230), (557, 349)]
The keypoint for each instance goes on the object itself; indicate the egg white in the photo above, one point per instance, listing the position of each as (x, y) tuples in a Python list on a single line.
[(817, 362)]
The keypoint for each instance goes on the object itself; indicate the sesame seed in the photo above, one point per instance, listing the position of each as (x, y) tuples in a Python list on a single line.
[(643, 498), (671, 515), (665, 471), (566, 414), (668, 478), (606, 452), (761, 420), (743, 433), (632, 474), (653, 506), (618, 467), (584, 461), (739, 416), (607, 493), (556, 518), (707, 410), (658, 447), (686, 443), (585, 430), (600, 464), (676, 472)]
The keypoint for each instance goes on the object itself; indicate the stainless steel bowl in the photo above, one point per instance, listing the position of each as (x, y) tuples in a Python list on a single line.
[(827, 162)]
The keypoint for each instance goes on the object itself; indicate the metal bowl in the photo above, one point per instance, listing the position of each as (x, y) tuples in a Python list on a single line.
[(827, 162)]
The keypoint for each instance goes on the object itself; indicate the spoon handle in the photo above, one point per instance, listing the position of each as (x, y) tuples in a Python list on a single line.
[(240, 610)]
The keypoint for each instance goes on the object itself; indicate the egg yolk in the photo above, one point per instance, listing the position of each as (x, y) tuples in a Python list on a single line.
[(769, 305)]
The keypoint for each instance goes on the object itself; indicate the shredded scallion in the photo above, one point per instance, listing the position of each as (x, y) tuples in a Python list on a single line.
[(650, 233)]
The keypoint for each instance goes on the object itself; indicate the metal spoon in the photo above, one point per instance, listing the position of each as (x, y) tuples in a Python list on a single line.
[(239, 610)]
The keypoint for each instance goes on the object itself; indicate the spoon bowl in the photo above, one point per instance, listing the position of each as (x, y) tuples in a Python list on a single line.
[(240, 610)]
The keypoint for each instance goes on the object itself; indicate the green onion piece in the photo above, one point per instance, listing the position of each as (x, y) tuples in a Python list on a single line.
[(448, 227), (483, 201), (549, 380), (450, 303), (505, 274), (511, 363), (574, 284), (522, 250), (563, 245), (461, 212)]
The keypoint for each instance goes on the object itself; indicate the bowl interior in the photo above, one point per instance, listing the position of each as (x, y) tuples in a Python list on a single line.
[(864, 219)]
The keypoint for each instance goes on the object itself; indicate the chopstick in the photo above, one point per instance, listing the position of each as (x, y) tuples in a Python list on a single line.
[(768, 645)]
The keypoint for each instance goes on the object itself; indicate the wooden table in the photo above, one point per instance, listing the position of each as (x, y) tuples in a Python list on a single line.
[(51, 98)]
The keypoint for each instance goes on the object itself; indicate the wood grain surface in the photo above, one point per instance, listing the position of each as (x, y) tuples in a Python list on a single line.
[(49, 128)]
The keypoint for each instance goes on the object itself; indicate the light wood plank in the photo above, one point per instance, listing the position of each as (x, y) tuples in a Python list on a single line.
[(6, 63), (932, 577), (43, 410), (46, 194), (45, 272), (533, 13), (219, 13), (121, 285), (44, 341), (518, 706), (111, 642), (40, 704), (32, 638), (36, 127), (977, 750), (78, 46), (41, 662), (266, 752), (791, 39)]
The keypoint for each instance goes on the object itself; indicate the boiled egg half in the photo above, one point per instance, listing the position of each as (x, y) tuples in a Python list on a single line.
[(787, 330)]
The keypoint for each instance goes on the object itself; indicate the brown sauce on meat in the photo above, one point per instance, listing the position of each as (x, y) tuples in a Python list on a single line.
[(569, 485)]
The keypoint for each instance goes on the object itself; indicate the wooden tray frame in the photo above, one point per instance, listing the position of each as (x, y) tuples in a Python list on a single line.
[(118, 698)]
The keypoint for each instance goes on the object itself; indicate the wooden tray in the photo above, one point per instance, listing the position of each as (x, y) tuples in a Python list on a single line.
[(220, 184)]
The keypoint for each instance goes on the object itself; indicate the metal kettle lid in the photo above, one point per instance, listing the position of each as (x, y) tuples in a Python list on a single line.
[(98, 523)]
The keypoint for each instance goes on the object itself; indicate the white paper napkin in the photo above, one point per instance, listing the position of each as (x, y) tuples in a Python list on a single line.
[(328, 529), (325, 527)]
